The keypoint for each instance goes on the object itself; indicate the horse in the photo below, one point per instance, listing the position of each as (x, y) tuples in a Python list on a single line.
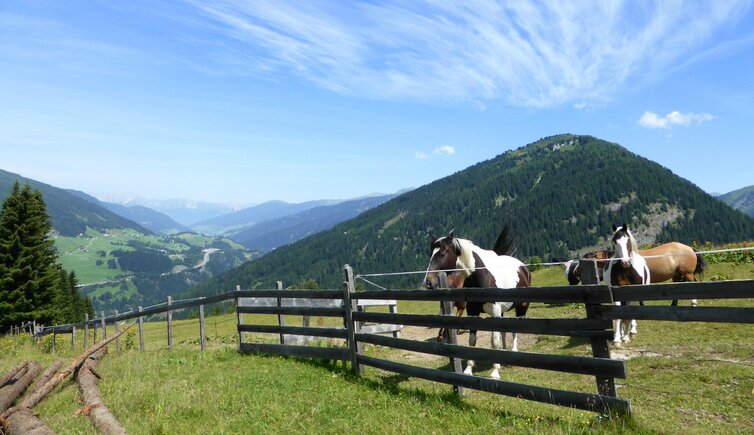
[(470, 266), (625, 267), (673, 260)]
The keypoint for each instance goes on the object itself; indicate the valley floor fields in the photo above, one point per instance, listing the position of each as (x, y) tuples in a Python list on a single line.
[(682, 378)]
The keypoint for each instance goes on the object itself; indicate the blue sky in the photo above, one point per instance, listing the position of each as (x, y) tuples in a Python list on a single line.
[(235, 101)]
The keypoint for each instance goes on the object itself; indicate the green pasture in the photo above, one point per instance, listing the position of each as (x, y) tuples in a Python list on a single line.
[(685, 378)]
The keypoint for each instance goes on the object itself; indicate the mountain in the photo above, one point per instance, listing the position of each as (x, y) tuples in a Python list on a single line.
[(71, 214), (562, 193), (184, 211), (152, 220), (268, 235), (741, 199), (253, 215)]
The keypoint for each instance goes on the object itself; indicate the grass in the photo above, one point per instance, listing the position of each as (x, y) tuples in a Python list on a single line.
[(686, 378)]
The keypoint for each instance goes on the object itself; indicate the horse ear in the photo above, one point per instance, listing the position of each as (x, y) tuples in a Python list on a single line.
[(433, 237), (615, 228), (625, 227), (452, 233)]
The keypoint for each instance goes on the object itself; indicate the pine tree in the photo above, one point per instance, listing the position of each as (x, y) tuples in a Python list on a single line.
[(29, 280)]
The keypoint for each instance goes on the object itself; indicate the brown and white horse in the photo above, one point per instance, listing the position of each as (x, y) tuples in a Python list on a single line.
[(625, 267), (470, 266)]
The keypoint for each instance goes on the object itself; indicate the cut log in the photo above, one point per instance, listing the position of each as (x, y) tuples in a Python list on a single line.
[(91, 398), (22, 418), (24, 421), (12, 373), (47, 375), (16, 386)]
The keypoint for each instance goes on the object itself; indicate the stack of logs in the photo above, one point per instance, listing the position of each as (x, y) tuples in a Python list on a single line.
[(21, 419)]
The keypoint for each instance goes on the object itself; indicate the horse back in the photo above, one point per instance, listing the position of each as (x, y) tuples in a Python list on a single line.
[(669, 261)]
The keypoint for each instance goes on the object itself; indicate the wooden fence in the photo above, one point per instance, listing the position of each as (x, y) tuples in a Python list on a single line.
[(596, 326), (360, 326)]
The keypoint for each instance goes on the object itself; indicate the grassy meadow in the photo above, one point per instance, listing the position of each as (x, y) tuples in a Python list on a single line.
[(682, 378)]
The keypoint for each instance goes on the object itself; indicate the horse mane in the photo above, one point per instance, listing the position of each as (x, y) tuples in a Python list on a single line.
[(507, 242), (632, 240), (465, 259)]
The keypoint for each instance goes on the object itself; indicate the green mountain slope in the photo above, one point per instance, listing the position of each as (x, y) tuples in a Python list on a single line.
[(71, 214), (563, 193), (741, 199)]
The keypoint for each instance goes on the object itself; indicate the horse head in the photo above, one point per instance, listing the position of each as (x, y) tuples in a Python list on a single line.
[(444, 255), (623, 244)]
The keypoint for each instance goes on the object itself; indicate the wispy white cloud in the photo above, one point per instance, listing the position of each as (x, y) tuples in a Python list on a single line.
[(445, 149), (652, 120), (525, 53), (421, 155)]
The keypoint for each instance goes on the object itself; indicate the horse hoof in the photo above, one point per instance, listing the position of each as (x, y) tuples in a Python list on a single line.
[(468, 372), (495, 376)]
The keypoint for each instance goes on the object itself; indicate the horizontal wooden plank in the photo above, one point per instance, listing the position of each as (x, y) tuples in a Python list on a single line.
[(740, 289), (562, 363), (336, 353), (296, 311), (585, 401), (525, 325), (295, 330), (290, 302), (376, 302), (380, 329), (310, 294), (678, 314), (551, 295)]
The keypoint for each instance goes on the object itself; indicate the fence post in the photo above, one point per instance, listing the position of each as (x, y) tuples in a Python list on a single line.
[(73, 338), (349, 306), (86, 330), (117, 340), (600, 347), (202, 338), (170, 323), (141, 331), (447, 310), (104, 326), (94, 327), (281, 317), (239, 317), (54, 337)]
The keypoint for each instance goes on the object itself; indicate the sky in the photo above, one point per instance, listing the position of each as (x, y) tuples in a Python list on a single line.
[(249, 101)]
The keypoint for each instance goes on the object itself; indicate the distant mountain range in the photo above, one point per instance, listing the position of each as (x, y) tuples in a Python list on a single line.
[(237, 220), (187, 212), (741, 199), (268, 235), (71, 214), (563, 194), (155, 221)]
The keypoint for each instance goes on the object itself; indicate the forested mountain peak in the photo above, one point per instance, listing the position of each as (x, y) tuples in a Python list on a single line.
[(562, 193)]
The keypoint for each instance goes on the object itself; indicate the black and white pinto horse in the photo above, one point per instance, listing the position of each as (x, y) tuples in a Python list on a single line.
[(470, 266), (626, 267)]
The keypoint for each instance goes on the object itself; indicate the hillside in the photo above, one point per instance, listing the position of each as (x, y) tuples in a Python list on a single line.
[(563, 193), (71, 214), (271, 234), (238, 220), (154, 221), (741, 199)]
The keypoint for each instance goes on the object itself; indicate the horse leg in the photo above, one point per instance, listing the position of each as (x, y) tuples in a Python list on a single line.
[(498, 339), (618, 330), (470, 363)]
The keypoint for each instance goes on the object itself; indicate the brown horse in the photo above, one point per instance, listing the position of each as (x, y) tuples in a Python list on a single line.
[(673, 260)]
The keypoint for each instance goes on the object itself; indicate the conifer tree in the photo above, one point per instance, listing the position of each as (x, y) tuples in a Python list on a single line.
[(29, 280)]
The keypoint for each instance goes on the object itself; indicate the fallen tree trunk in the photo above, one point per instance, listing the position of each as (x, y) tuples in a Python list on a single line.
[(47, 375), (24, 421), (22, 417), (94, 404), (12, 373), (16, 386)]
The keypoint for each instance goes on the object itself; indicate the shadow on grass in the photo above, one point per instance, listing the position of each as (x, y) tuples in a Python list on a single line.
[(574, 342)]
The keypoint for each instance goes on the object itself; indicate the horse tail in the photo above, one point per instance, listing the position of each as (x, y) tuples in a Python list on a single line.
[(701, 265), (507, 242)]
